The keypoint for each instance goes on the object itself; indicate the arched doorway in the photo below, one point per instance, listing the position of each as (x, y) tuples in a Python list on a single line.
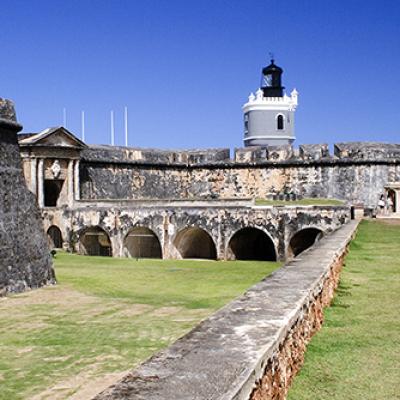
[(194, 242), (142, 242), (391, 201), (302, 240), (54, 237), (252, 244), (95, 242)]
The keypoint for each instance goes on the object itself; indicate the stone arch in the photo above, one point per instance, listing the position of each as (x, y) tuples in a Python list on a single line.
[(302, 240), (54, 237), (252, 244), (94, 241), (391, 201), (194, 242), (142, 242)]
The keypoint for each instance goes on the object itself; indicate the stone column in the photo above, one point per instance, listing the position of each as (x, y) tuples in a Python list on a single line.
[(70, 178), (40, 183), (76, 181), (397, 201), (34, 176)]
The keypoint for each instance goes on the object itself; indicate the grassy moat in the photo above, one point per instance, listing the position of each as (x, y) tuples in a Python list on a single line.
[(104, 317), (356, 355), (107, 315)]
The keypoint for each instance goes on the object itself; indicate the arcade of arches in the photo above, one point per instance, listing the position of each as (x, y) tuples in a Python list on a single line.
[(215, 233), (193, 242)]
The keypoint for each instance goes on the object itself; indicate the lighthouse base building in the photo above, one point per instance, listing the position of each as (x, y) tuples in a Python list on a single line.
[(269, 114)]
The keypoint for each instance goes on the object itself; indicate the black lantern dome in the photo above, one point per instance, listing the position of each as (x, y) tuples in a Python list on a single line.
[(271, 80)]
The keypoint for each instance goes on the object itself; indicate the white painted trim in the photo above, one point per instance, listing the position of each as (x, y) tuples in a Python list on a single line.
[(263, 107), (259, 102), (270, 137)]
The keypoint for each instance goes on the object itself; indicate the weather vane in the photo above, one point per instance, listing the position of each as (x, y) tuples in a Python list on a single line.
[(271, 56)]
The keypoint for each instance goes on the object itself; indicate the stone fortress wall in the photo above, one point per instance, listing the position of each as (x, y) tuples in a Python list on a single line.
[(24, 254), (357, 173), (120, 201)]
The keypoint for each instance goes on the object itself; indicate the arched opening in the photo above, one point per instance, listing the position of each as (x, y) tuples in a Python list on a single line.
[(95, 242), (280, 122), (252, 244), (142, 242), (302, 240), (194, 242), (52, 190), (391, 201), (55, 237)]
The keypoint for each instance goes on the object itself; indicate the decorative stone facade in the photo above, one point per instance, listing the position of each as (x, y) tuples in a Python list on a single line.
[(51, 166)]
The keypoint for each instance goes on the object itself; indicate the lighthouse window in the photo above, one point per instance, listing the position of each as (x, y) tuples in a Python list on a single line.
[(279, 122), (246, 122)]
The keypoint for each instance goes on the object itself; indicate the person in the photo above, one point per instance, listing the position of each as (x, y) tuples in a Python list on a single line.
[(381, 204)]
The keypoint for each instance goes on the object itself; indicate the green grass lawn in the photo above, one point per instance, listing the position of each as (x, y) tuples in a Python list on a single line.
[(302, 202), (104, 317), (356, 355)]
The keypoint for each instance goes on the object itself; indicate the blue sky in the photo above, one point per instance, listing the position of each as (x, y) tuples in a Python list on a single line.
[(184, 68)]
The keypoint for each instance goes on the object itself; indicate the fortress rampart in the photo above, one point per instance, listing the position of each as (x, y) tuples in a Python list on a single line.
[(357, 172), (103, 199)]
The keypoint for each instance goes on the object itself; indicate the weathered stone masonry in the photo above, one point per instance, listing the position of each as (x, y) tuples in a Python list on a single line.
[(219, 222), (55, 160), (82, 187), (251, 348), (357, 173), (24, 254)]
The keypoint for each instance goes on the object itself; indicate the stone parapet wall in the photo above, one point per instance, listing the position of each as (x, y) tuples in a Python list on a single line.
[(251, 348), (343, 152), (154, 156), (354, 182), (24, 254)]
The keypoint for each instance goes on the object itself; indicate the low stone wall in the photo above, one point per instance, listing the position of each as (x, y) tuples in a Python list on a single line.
[(253, 347)]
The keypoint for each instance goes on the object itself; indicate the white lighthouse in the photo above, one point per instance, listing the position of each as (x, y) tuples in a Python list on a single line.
[(269, 114)]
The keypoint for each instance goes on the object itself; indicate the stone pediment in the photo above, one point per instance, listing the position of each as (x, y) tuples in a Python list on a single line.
[(53, 137)]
